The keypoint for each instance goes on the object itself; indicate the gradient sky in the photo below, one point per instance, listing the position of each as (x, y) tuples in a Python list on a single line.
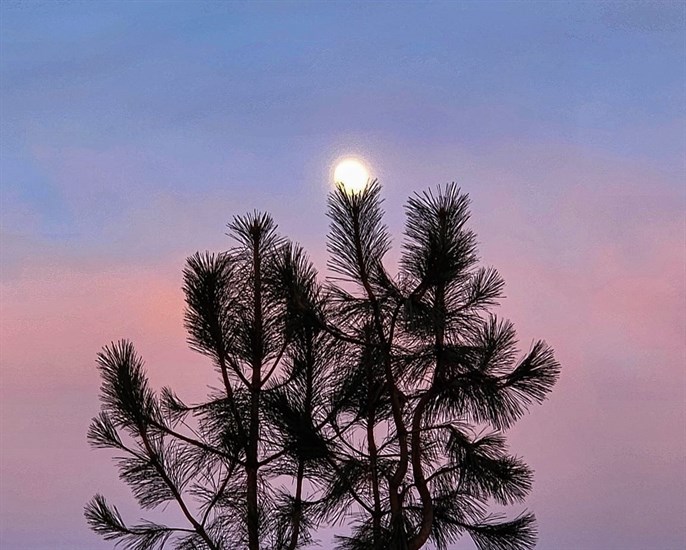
[(133, 131)]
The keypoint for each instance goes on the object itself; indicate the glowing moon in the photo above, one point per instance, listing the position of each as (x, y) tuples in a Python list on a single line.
[(352, 174)]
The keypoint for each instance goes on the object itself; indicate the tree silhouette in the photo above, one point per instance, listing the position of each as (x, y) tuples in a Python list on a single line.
[(375, 400), (249, 310), (435, 380)]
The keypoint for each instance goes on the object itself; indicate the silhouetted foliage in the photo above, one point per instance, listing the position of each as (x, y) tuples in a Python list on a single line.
[(374, 401)]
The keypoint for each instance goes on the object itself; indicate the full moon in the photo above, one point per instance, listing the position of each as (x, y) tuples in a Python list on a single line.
[(352, 174)]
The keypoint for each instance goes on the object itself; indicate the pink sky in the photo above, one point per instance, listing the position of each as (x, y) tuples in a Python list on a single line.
[(597, 274)]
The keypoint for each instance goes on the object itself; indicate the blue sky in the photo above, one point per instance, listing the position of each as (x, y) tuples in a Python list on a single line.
[(213, 84)]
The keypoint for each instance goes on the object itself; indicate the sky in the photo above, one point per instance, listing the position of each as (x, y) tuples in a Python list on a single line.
[(132, 132)]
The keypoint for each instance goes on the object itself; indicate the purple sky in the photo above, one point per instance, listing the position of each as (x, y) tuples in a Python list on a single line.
[(132, 132)]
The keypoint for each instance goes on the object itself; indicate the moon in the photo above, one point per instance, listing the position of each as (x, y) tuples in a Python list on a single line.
[(352, 175)]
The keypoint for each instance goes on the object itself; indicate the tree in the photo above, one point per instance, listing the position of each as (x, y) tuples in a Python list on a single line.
[(374, 399), (434, 381), (249, 310)]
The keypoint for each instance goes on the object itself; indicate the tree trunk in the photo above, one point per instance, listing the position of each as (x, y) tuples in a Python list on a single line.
[(252, 463), (373, 455)]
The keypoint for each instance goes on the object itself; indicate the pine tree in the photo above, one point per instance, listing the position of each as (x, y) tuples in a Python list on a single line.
[(227, 462), (374, 400), (434, 380)]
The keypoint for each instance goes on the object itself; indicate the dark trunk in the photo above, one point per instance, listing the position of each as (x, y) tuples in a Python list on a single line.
[(419, 480), (255, 390), (373, 458), (297, 510), (396, 480), (422, 487)]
